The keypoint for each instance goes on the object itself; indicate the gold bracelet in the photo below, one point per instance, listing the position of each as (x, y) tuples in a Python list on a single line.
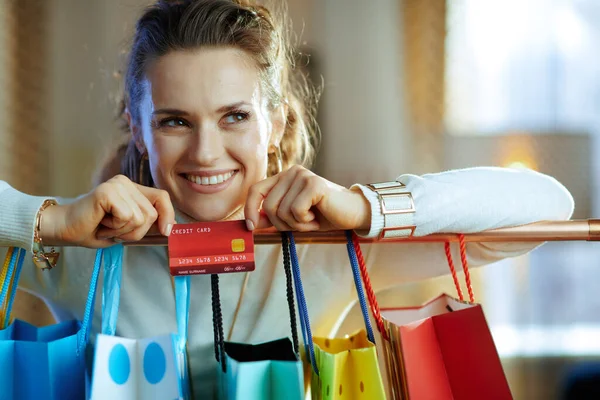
[(41, 258)]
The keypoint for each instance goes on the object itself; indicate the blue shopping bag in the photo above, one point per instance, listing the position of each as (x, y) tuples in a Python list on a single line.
[(264, 371), (148, 368), (48, 362)]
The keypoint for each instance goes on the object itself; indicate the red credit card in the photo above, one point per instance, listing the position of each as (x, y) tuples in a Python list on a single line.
[(211, 248)]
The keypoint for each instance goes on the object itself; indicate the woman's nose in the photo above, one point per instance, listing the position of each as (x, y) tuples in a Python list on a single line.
[(207, 146)]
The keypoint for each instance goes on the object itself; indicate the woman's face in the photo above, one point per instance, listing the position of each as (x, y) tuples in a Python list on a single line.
[(207, 130)]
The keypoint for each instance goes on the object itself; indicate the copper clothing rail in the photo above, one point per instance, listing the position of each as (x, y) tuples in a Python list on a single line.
[(537, 232)]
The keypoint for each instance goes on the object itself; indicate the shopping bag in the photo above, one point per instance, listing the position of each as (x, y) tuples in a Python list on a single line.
[(148, 368), (342, 368), (442, 349), (47, 362), (264, 371)]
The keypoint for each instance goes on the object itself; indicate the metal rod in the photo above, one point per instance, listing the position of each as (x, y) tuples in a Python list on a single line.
[(537, 232)]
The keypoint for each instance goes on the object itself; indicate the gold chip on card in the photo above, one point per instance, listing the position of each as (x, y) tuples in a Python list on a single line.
[(238, 245)]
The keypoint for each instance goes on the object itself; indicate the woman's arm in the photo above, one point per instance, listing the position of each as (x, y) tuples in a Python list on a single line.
[(464, 201), (17, 217)]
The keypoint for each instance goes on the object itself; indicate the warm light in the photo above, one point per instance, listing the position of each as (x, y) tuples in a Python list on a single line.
[(519, 165)]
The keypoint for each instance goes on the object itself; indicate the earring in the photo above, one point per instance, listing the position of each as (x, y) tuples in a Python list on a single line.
[(279, 159), (144, 166)]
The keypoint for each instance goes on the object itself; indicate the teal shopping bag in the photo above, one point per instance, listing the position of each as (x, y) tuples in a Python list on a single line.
[(48, 362), (147, 368), (264, 371)]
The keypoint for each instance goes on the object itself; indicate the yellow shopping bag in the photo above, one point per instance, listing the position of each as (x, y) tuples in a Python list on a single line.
[(342, 368), (348, 368)]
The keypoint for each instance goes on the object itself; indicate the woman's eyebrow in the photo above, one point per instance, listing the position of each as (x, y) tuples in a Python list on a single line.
[(233, 106), (170, 111)]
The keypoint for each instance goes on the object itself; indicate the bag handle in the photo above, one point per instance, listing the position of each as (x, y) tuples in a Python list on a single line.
[(111, 293), (288, 241), (8, 283), (86, 325), (287, 266), (463, 259), (358, 284), (374, 305), (6, 267), (111, 289), (219, 340)]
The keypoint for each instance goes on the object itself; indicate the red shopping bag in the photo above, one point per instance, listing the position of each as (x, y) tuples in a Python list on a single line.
[(440, 350)]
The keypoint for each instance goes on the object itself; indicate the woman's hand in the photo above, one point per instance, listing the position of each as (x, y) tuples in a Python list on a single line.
[(116, 210), (300, 200)]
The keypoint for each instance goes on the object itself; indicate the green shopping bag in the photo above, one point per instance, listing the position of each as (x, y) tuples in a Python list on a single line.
[(264, 371)]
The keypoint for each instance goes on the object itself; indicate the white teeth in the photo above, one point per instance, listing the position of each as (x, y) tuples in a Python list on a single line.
[(209, 180)]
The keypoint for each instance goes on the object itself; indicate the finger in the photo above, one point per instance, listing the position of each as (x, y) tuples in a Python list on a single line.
[(302, 204), (272, 202), (118, 216), (134, 235), (149, 212), (128, 235), (255, 197), (112, 223), (161, 201), (138, 218), (309, 197), (264, 222), (289, 212)]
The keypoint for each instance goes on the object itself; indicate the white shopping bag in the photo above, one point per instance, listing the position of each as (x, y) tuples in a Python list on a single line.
[(143, 369), (136, 369)]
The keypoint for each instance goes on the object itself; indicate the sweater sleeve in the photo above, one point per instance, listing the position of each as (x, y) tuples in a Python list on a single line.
[(17, 217), (466, 201)]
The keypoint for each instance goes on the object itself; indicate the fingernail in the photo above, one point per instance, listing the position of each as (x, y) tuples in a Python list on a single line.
[(169, 228), (117, 240), (250, 225)]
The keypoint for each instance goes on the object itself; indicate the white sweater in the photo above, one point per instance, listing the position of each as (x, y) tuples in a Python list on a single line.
[(460, 201)]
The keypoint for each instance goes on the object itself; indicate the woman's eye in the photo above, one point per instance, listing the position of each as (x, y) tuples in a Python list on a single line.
[(235, 118), (173, 123)]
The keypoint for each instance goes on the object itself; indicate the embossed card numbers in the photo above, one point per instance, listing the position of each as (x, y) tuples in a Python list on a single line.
[(211, 248)]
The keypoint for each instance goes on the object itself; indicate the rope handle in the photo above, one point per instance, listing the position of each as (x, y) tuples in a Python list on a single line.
[(219, 340), (359, 286), (465, 266), (374, 305), (6, 277), (217, 322), (301, 299)]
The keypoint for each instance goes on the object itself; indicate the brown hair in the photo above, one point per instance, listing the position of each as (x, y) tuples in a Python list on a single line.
[(190, 24)]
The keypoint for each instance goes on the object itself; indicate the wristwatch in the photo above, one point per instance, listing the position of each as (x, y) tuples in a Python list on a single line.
[(397, 207), (42, 259)]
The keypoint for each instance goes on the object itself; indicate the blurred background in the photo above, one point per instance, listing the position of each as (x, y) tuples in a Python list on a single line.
[(410, 86)]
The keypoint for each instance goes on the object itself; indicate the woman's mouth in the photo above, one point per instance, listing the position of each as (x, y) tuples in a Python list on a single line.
[(208, 182)]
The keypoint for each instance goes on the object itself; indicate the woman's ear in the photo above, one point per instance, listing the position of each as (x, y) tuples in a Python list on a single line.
[(135, 132), (279, 122)]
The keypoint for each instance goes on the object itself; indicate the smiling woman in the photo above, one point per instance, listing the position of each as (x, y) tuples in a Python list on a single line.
[(219, 126), (207, 139)]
